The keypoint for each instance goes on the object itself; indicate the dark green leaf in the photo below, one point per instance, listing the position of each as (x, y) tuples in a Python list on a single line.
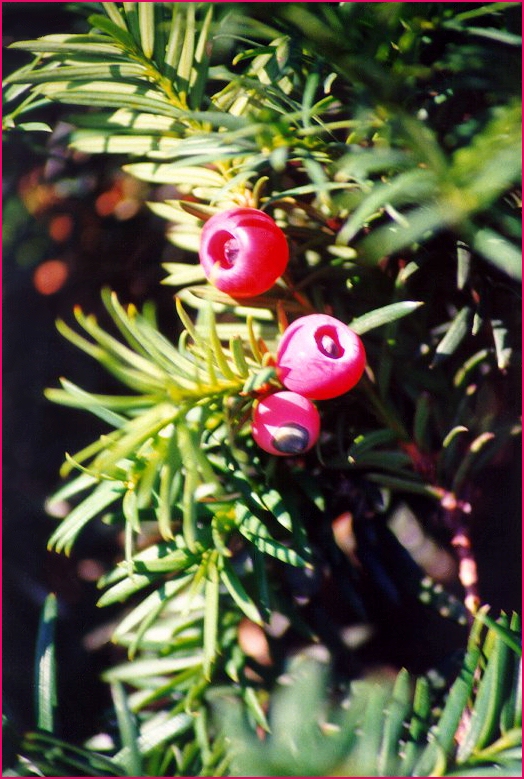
[(463, 264), (468, 462), (127, 726), (458, 330), (211, 613), (45, 667), (502, 346), (421, 423), (256, 532), (238, 593), (117, 29), (398, 709), (201, 61), (418, 725), (258, 379), (41, 747), (441, 745), (366, 441), (410, 187), (490, 696)]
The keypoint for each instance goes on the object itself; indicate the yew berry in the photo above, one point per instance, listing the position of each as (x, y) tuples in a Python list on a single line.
[(243, 251), (285, 423), (320, 357)]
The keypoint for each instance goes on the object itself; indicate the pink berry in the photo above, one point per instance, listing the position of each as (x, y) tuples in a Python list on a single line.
[(320, 357), (285, 424), (242, 251)]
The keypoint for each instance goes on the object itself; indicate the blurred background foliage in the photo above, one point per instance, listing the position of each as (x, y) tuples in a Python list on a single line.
[(385, 140)]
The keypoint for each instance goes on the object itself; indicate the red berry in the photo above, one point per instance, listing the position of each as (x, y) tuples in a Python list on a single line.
[(285, 424), (242, 251), (320, 357)]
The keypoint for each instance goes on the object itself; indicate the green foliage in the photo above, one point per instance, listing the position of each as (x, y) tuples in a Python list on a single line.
[(355, 125), (152, 64), (390, 728), (378, 727)]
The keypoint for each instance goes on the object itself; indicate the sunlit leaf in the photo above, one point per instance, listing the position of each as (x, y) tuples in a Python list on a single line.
[(146, 21), (93, 45), (158, 731), (102, 496), (174, 174), (505, 255), (157, 666), (383, 316), (82, 73)]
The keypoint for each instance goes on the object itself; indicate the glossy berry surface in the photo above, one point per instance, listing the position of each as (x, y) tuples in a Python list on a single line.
[(285, 424), (243, 251), (320, 357)]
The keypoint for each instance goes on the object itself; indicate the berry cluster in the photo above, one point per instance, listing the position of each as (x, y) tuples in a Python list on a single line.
[(318, 358), (243, 252)]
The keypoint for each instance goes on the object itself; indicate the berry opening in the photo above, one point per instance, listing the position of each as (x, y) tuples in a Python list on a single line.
[(328, 342), (231, 250), (291, 438), (224, 249)]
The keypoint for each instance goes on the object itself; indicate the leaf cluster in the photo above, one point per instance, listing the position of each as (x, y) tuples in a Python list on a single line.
[(374, 728), (349, 123), (149, 72), (394, 729)]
